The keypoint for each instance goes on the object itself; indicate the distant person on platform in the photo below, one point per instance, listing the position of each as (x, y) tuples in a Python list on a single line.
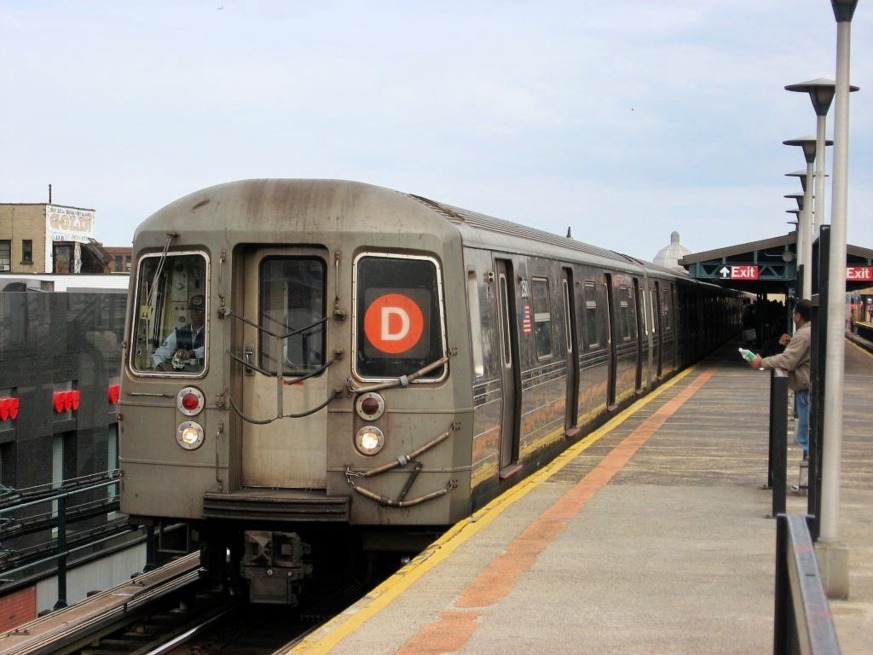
[(183, 349), (795, 360)]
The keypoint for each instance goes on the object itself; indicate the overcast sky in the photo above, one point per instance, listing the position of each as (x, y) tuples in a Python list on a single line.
[(625, 119)]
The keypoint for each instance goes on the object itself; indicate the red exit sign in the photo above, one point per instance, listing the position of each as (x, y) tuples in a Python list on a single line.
[(738, 272), (859, 273)]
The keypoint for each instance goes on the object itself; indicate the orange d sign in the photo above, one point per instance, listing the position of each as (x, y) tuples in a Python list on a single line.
[(393, 323)]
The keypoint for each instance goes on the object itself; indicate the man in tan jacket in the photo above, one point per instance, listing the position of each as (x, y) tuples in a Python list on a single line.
[(795, 360)]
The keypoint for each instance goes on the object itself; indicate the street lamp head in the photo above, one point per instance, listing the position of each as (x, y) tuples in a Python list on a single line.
[(844, 10), (821, 92), (801, 175), (798, 197), (808, 144)]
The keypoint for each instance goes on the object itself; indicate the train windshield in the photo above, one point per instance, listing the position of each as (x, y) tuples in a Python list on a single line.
[(398, 317), (170, 329)]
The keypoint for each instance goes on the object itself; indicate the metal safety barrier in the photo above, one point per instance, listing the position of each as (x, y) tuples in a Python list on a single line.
[(777, 463), (803, 623)]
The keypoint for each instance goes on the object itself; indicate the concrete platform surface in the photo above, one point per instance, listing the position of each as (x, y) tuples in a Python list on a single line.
[(651, 535)]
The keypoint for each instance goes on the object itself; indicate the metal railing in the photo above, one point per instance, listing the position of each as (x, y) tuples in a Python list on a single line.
[(21, 514), (802, 619)]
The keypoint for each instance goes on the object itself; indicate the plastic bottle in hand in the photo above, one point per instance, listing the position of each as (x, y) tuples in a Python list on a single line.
[(748, 355)]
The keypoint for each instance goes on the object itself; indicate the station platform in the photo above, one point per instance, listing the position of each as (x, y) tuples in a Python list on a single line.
[(651, 535)]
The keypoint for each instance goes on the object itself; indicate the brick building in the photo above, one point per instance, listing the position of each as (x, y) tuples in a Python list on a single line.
[(48, 238)]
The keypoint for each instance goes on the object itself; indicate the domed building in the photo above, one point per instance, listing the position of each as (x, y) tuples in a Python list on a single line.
[(669, 256)]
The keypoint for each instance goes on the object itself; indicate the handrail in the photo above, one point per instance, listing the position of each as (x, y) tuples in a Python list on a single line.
[(803, 623), (63, 543)]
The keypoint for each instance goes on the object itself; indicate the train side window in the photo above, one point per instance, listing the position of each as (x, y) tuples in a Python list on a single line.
[(542, 317), (399, 317), (591, 315), (665, 309), (171, 325), (475, 324), (292, 307), (644, 312), (624, 312)]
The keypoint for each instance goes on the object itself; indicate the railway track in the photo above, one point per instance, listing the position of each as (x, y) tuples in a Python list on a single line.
[(170, 590), (169, 611)]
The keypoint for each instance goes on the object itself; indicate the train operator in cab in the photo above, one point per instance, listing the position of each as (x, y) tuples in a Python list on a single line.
[(183, 348), (795, 360)]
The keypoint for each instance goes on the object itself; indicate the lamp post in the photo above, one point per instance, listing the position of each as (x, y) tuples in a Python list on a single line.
[(833, 555), (821, 93), (809, 145), (802, 285), (798, 284)]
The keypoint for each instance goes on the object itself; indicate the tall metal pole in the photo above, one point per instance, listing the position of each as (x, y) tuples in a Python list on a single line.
[(807, 228), (803, 285), (818, 211), (833, 554)]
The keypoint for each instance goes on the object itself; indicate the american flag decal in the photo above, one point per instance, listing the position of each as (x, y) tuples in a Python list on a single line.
[(525, 319)]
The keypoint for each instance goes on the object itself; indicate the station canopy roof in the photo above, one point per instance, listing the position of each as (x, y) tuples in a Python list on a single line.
[(769, 266)]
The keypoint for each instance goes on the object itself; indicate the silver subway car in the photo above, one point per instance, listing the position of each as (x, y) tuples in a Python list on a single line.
[(314, 361)]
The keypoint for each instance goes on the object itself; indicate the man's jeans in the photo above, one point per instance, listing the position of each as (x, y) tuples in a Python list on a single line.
[(801, 407)]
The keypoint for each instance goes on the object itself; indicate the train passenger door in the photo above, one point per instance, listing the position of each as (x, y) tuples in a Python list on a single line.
[(570, 330), (656, 330), (510, 374), (283, 347), (642, 334), (612, 360)]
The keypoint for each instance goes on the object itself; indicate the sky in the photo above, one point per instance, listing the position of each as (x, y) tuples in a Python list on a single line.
[(623, 120)]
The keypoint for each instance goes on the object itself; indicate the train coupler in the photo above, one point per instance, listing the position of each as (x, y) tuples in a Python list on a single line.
[(273, 564)]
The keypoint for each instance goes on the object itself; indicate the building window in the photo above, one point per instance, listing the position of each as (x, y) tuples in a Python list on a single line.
[(5, 255), (64, 256), (26, 251)]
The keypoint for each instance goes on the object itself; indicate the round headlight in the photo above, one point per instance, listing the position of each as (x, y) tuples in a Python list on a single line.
[(369, 440), (190, 401), (370, 406), (189, 435)]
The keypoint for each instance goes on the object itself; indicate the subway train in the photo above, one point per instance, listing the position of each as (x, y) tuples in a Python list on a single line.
[(318, 362)]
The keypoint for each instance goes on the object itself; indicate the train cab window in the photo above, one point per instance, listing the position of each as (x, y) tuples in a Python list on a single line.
[(591, 315), (542, 317), (292, 298), (171, 325), (398, 317)]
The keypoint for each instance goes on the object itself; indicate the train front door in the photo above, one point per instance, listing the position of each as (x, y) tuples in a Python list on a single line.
[(283, 343), (510, 375)]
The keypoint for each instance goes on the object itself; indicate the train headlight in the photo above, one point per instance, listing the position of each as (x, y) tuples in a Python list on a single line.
[(370, 406), (190, 401), (189, 435), (369, 440)]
